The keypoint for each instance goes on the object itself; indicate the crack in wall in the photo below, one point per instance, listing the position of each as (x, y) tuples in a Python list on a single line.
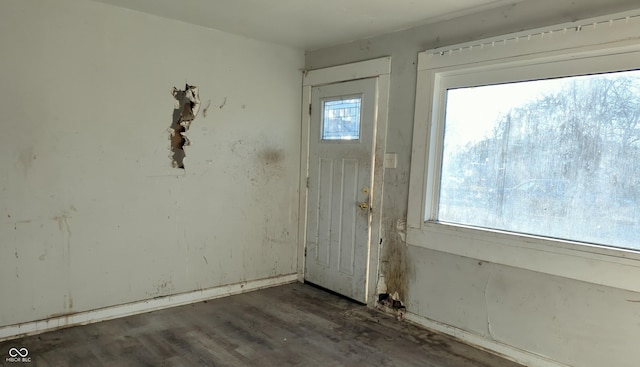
[(486, 302), (184, 112)]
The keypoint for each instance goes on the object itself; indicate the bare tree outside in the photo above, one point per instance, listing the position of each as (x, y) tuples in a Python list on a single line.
[(557, 158)]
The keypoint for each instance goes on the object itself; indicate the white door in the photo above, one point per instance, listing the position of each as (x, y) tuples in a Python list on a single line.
[(341, 139)]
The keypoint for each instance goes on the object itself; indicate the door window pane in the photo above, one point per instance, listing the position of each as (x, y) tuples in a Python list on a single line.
[(341, 119), (556, 158)]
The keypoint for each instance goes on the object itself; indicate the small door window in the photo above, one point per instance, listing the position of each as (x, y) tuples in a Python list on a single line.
[(341, 119)]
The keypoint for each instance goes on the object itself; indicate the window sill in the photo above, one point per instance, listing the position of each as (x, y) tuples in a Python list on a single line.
[(589, 263)]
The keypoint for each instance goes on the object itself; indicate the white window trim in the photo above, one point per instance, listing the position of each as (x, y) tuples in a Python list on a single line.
[(587, 47)]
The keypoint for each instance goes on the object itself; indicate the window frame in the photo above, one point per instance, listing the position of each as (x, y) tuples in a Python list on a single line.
[(323, 111), (597, 45)]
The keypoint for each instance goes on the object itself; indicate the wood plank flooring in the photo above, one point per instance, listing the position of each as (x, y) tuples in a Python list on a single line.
[(290, 325)]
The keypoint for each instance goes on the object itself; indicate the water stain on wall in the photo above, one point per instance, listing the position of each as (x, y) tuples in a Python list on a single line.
[(268, 166), (63, 225), (267, 162), (394, 263), (271, 156), (68, 301)]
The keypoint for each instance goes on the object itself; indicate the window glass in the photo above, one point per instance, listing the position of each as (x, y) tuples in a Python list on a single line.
[(341, 119), (557, 158)]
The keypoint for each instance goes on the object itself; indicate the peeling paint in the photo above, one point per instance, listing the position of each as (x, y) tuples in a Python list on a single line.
[(184, 112)]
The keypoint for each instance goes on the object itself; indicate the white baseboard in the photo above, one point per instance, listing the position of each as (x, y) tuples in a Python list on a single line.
[(113, 312), (492, 346)]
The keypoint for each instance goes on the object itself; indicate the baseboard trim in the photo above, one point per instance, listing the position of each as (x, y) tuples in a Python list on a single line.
[(491, 346), (129, 309)]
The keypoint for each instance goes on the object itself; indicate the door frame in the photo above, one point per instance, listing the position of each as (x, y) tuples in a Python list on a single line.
[(380, 69)]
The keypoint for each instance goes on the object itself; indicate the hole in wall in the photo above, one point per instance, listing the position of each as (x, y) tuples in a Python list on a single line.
[(184, 112), (390, 303)]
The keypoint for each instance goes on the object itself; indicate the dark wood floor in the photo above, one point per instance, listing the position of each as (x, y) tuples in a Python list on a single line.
[(291, 325)]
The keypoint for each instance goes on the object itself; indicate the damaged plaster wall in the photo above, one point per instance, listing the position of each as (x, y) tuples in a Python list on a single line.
[(394, 269), (92, 214), (185, 111), (572, 322)]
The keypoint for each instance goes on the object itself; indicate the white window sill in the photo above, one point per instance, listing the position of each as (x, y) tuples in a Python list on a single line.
[(590, 263)]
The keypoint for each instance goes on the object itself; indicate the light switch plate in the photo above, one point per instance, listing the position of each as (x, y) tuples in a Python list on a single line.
[(390, 160)]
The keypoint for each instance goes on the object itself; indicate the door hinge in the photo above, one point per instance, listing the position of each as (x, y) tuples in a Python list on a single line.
[(309, 109)]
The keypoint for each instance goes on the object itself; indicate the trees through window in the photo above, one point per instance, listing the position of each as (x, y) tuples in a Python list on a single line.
[(557, 157)]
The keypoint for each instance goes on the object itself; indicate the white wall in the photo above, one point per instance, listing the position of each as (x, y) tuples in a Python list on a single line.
[(91, 212), (572, 322)]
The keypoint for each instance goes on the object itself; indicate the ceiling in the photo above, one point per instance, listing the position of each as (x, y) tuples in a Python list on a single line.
[(308, 24)]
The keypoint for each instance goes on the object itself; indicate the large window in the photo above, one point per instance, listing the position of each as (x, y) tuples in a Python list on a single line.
[(557, 157), (526, 151)]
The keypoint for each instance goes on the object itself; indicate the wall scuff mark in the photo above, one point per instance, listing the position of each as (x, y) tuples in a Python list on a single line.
[(185, 111), (206, 109)]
